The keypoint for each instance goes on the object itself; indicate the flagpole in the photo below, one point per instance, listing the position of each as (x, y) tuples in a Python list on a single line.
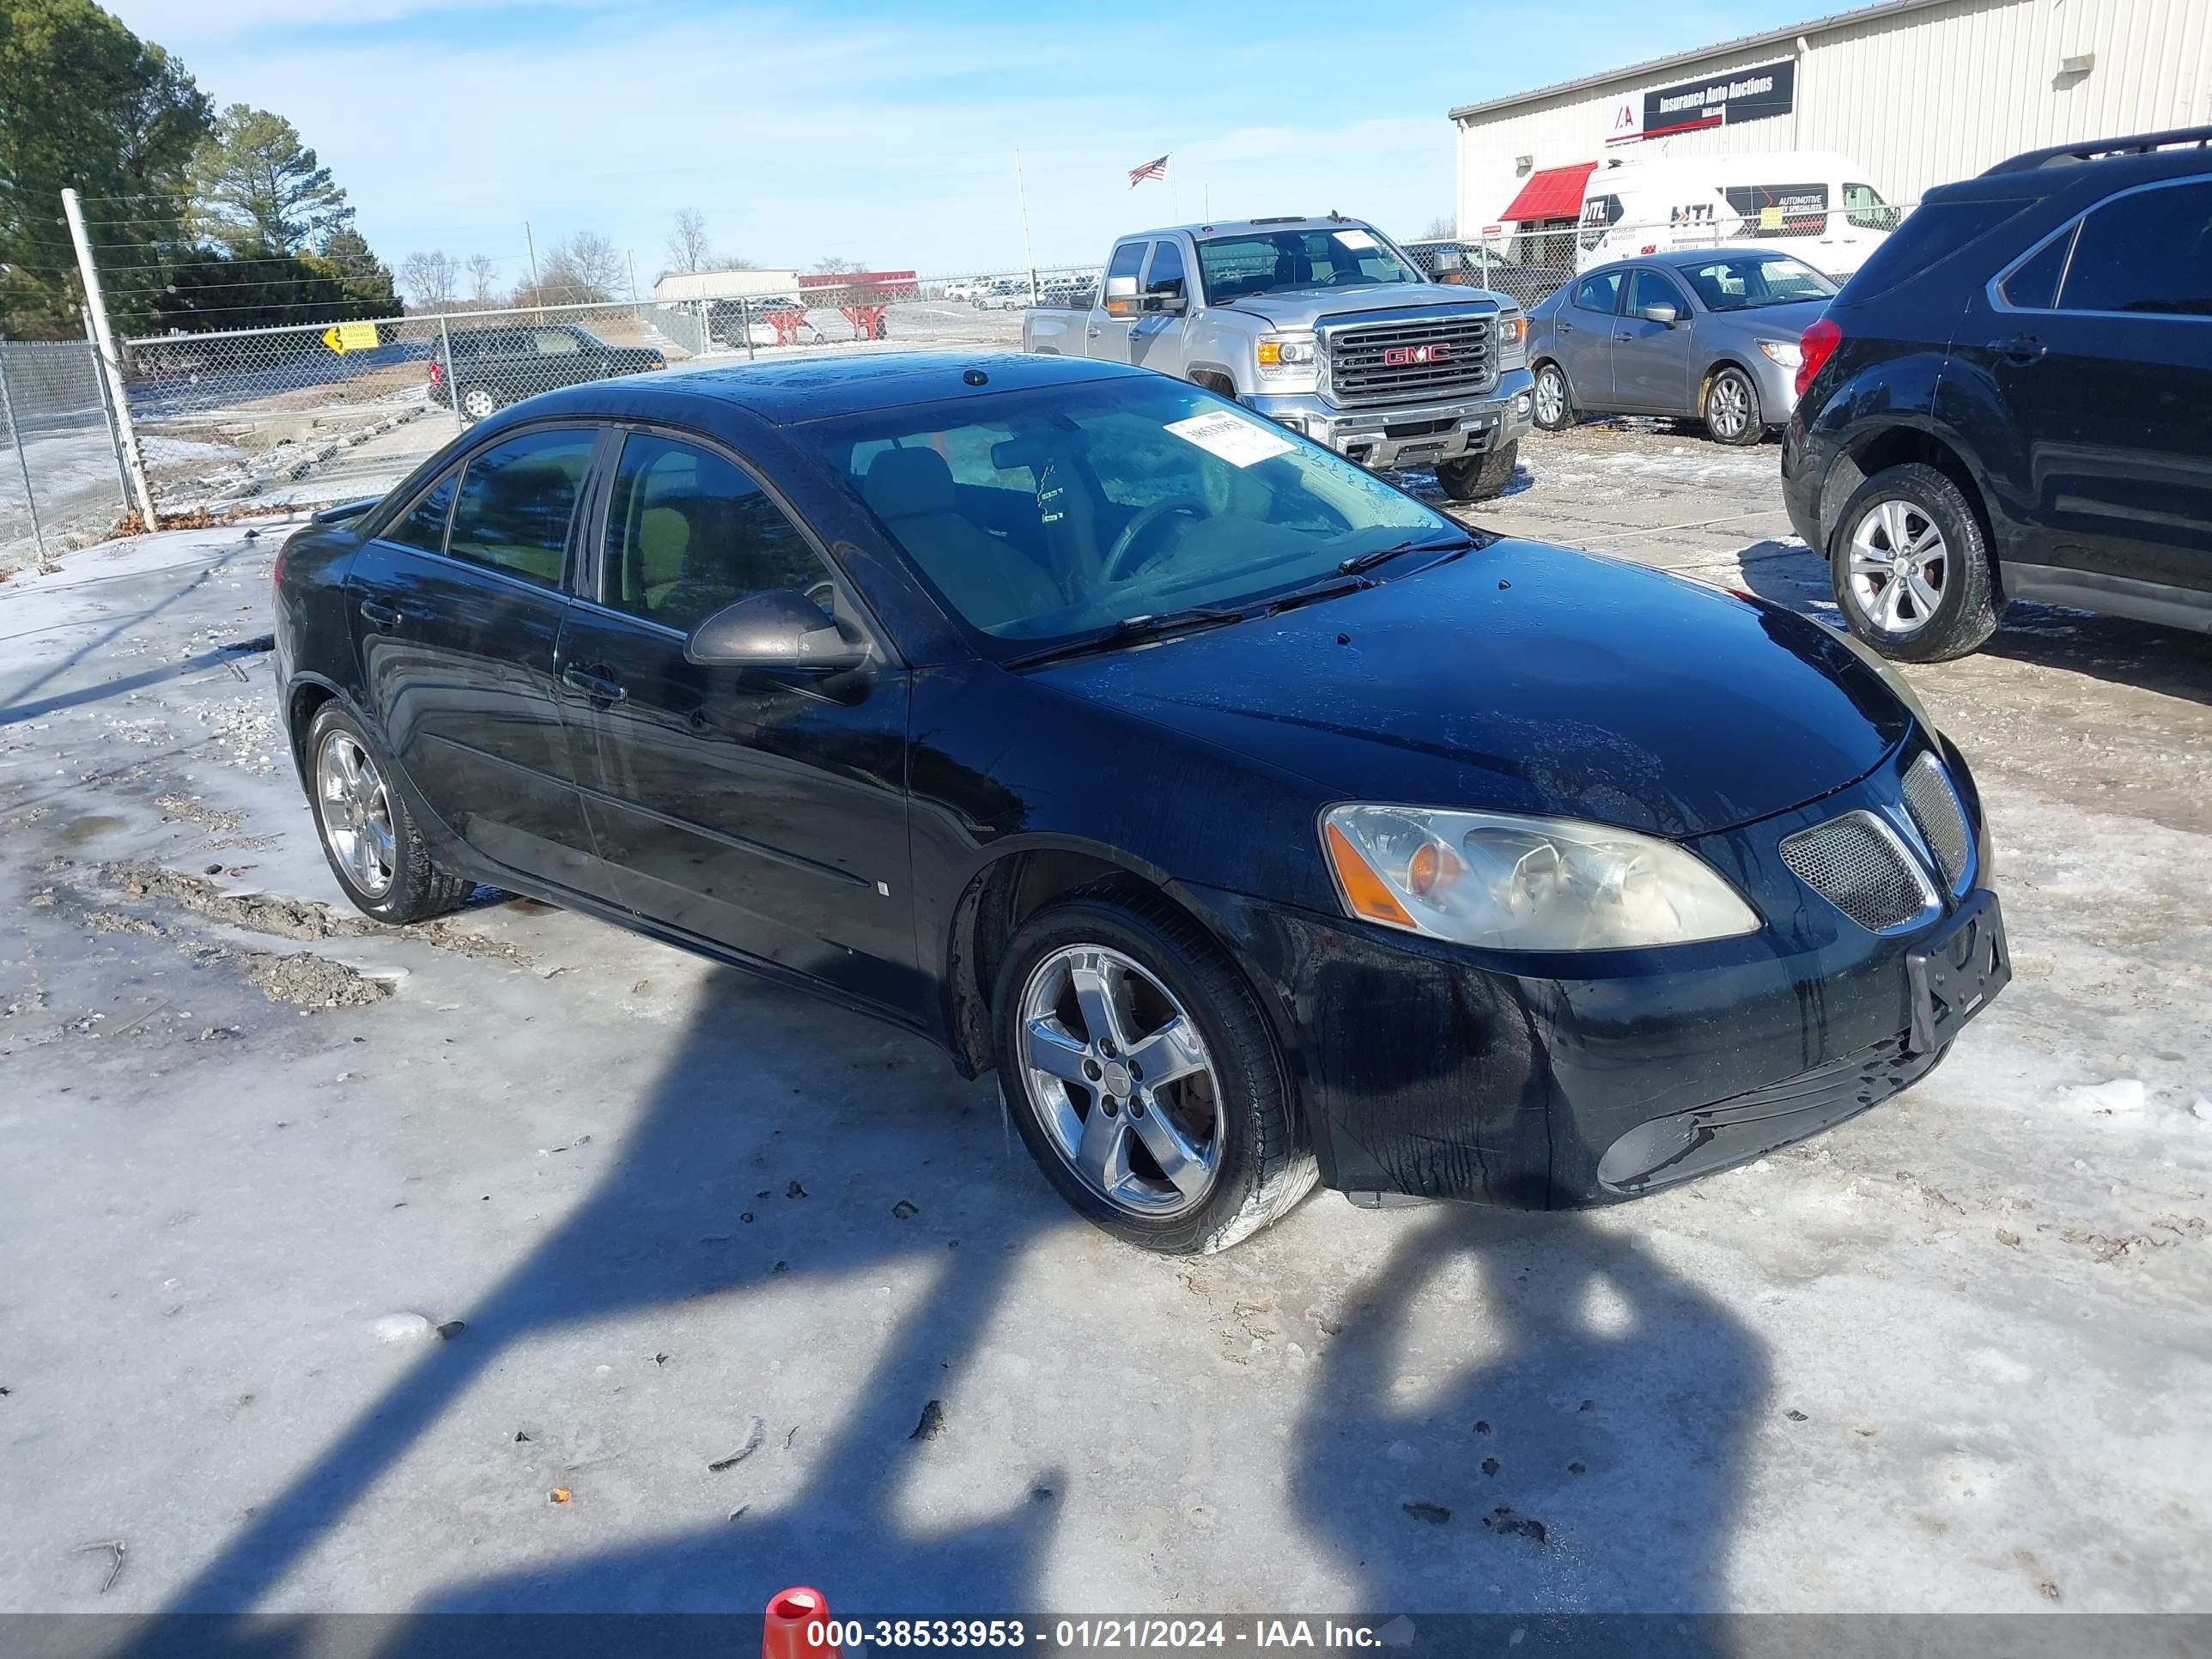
[(1028, 258)]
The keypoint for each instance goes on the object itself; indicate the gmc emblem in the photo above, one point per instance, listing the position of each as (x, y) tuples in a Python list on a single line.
[(1406, 357)]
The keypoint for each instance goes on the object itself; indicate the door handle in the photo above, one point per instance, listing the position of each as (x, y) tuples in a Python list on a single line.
[(379, 615), (1565, 326), (2022, 347), (1091, 333), (599, 688)]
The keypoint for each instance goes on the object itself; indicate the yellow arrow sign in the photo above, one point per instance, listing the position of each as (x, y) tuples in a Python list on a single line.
[(351, 336)]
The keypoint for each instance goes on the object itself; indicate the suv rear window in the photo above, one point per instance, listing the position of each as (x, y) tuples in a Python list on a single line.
[(2147, 250), (1932, 231)]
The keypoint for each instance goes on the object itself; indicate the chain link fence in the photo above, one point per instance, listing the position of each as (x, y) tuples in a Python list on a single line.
[(62, 482)]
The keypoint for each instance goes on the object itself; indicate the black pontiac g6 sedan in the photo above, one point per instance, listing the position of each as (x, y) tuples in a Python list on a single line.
[(1254, 821)]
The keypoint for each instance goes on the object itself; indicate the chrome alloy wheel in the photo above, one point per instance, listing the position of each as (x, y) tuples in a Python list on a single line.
[(355, 812), (1551, 396), (1118, 1075), (1727, 406), (1899, 566)]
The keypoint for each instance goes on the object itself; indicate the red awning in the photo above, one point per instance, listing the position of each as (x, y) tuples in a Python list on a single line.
[(1552, 193)]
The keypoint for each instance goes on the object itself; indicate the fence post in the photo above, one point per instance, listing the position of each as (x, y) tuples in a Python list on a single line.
[(746, 323), (22, 461), (134, 462), (107, 409), (452, 373)]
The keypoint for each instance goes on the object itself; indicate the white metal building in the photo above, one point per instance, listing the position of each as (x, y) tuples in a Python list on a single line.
[(1919, 92), (729, 284)]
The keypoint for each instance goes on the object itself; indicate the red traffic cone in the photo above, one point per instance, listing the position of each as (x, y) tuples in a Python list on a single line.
[(798, 1620)]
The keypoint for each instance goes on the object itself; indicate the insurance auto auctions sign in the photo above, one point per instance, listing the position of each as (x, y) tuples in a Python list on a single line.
[(1751, 94)]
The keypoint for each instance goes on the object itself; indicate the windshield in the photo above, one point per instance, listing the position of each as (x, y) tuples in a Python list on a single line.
[(1745, 282), (1260, 262), (1043, 516)]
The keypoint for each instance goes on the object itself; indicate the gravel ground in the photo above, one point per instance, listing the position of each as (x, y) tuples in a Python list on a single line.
[(334, 1255)]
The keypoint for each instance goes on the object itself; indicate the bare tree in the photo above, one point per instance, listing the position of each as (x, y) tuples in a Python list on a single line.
[(1441, 228), (432, 279), (835, 266), (689, 250), (586, 269), (483, 278)]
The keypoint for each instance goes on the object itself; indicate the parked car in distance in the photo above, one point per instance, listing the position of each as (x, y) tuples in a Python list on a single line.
[(498, 366), (2014, 400), (1710, 332), (974, 692), (1814, 203), (1006, 293), (1325, 326)]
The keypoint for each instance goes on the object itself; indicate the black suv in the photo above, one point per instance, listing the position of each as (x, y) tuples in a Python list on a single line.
[(2013, 399), (494, 366)]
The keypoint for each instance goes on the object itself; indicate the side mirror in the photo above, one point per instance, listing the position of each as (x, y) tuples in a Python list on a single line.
[(777, 629), (1166, 305), (1665, 314), (1121, 296)]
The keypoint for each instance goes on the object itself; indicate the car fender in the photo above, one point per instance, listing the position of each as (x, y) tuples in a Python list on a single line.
[(1877, 402), (1226, 343)]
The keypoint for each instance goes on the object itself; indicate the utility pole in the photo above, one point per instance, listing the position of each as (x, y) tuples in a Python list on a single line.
[(537, 298), (1021, 196), (633, 279), (111, 364)]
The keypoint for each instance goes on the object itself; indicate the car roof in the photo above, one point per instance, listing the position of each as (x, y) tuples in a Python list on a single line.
[(1698, 256), (2096, 167), (1253, 227), (821, 387)]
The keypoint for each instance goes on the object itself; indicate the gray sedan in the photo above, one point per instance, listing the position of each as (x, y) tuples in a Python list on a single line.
[(1705, 331)]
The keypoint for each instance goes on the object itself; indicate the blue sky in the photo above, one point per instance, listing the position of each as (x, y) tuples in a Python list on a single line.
[(886, 133)]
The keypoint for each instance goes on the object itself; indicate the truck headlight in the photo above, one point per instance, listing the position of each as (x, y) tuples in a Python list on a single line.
[(1287, 351), (1785, 352), (1509, 882), (1512, 329)]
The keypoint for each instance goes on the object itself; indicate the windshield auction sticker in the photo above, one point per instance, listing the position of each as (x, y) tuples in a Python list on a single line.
[(1236, 440), (1357, 241)]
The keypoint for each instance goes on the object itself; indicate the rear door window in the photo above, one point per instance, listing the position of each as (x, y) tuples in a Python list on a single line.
[(2149, 251), (2032, 285), (1931, 233), (424, 526), (557, 342), (1600, 293), (516, 500)]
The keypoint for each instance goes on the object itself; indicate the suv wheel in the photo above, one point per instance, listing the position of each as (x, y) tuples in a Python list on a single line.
[(1142, 1077), (1555, 403), (1910, 567), (368, 836), (1731, 410), (1479, 477), (479, 403)]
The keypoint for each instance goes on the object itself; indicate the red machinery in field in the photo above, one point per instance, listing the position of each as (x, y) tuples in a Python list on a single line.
[(860, 297)]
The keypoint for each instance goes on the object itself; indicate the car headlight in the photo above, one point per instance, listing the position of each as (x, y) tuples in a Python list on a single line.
[(1784, 352), (1524, 883), (1289, 351)]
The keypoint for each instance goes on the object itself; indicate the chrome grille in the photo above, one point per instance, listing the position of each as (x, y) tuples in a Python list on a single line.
[(1359, 373), (1940, 817), (1858, 865)]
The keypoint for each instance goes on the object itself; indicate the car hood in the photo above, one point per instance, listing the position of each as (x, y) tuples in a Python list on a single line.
[(1522, 677), (1765, 322), (1302, 308)]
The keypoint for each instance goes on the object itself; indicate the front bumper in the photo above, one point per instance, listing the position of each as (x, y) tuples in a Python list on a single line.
[(1439, 1071), (1410, 434)]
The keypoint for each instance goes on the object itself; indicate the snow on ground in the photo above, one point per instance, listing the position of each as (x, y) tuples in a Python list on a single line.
[(1951, 1356)]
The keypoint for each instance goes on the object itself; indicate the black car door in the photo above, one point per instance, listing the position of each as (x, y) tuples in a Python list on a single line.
[(457, 612), (2100, 343), (765, 812)]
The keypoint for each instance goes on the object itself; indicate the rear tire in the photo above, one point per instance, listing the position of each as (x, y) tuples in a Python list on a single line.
[(479, 403), (1479, 477), (1554, 399), (1218, 1100), (1941, 601), (374, 847)]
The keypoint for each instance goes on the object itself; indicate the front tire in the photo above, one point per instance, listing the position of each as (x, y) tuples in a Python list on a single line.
[(1731, 408), (1479, 477), (374, 847), (1142, 1077), (1554, 399), (1910, 567)]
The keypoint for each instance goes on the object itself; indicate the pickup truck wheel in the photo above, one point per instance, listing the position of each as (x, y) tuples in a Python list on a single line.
[(1555, 403), (1142, 1076), (1479, 477)]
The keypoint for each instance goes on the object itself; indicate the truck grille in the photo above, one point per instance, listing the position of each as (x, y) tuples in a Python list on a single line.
[(1941, 821), (1858, 865), (1427, 358)]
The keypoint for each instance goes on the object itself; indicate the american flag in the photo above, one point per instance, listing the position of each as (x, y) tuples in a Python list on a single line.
[(1150, 170)]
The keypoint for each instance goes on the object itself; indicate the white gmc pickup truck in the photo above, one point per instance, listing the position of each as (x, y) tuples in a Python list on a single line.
[(1322, 325)]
